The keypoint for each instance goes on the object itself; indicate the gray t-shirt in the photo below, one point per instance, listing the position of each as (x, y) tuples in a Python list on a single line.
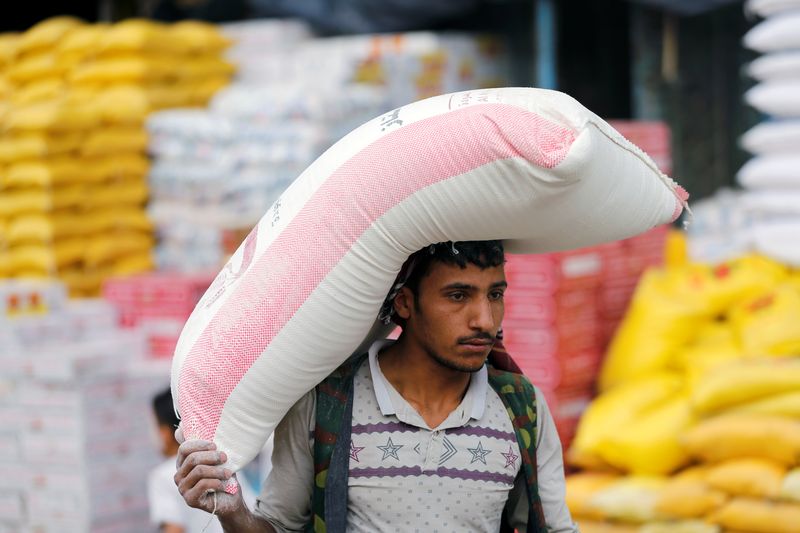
[(405, 476)]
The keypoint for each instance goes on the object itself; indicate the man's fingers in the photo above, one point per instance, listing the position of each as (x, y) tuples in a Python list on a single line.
[(198, 497), (179, 435), (192, 446), (195, 459), (200, 473)]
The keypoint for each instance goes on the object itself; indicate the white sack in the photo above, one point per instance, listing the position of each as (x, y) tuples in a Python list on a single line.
[(530, 166), (778, 241), (781, 136), (781, 32), (766, 8), (776, 66), (771, 171), (777, 98)]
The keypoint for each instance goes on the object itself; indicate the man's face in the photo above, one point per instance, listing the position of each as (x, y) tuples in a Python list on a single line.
[(457, 314)]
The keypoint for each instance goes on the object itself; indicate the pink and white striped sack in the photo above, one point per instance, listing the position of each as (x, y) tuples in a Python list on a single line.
[(302, 293)]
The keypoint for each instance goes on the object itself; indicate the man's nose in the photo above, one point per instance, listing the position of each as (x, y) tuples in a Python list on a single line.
[(482, 317)]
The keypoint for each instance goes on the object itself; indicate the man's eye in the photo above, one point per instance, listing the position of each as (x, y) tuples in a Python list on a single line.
[(457, 296), (496, 295)]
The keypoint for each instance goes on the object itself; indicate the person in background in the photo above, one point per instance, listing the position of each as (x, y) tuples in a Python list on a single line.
[(167, 509), (426, 433)]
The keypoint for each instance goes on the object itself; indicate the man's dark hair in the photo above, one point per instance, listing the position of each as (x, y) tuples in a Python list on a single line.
[(483, 254), (165, 413)]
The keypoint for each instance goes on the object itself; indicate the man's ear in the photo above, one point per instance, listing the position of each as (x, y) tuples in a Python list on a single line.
[(403, 302)]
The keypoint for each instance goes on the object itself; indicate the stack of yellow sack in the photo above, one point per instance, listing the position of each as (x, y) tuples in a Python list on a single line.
[(697, 427), (73, 162)]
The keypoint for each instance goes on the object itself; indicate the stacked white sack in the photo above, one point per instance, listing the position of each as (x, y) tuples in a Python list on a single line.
[(75, 426), (302, 293), (772, 178)]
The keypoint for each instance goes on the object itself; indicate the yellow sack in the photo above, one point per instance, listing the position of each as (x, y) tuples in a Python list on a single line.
[(581, 487), (39, 91), (106, 249), (37, 146), (69, 252), (7, 90), (785, 405), (33, 68), (613, 411), (45, 228), (82, 283), (745, 381), (31, 258), (631, 499), (195, 37), (648, 443), (109, 141), (790, 487), (687, 495), (47, 34), (125, 69), (128, 193), (124, 104), (203, 68), (8, 48), (133, 264), (57, 171), (686, 526), (757, 478), (164, 96), (662, 318), (716, 345), (758, 516), (741, 436), (120, 218), (53, 115), (81, 43), (592, 526), (122, 167), (768, 325), (137, 36), (742, 278)]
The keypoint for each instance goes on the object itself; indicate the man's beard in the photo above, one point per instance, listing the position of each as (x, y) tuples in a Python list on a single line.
[(450, 365)]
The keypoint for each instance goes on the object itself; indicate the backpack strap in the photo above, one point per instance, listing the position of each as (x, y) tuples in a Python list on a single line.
[(331, 448), (519, 397)]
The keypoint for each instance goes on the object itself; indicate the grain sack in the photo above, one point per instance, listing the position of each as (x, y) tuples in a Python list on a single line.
[(778, 240), (631, 499), (780, 98), (790, 488), (781, 32), (775, 171), (740, 436), (687, 495), (780, 136), (613, 410), (593, 526), (768, 324), (784, 405), (743, 382), (110, 141), (777, 65), (580, 488), (46, 35), (758, 516), (767, 8), (685, 526), (342, 230), (756, 478)]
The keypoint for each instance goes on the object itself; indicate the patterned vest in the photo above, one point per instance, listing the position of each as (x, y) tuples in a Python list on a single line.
[(332, 441)]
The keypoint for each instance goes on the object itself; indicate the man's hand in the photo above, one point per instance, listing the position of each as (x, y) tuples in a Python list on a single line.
[(200, 475)]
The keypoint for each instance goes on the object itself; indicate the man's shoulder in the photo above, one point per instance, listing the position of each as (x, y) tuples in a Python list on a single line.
[(506, 381)]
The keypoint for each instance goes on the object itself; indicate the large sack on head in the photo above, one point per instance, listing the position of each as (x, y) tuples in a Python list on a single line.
[(530, 166)]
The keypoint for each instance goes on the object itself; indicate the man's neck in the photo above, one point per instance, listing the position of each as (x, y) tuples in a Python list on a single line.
[(432, 389)]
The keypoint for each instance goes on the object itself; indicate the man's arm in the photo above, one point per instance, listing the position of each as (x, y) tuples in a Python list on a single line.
[(200, 479)]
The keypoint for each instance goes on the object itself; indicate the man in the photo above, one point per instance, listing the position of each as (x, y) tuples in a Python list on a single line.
[(430, 444)]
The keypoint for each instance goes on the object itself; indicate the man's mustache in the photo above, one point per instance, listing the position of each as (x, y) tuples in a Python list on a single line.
[(483, 336)]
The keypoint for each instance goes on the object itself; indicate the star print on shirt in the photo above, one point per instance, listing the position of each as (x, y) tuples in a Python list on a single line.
[(390, 450), (354, 451), (511, 457), (478, 453)]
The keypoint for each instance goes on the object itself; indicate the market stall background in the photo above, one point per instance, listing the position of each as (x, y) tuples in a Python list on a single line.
[(135, 156)]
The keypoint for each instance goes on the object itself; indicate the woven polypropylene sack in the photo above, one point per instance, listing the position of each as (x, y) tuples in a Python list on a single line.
[(779, 32), (529, 166), (776, 66), (782, 136), (767, 8)]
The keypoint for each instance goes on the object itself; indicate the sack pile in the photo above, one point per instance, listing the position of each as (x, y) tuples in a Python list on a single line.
[(771, 178), (697, 426), (216, 172), (73, 159), (75, 424)]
